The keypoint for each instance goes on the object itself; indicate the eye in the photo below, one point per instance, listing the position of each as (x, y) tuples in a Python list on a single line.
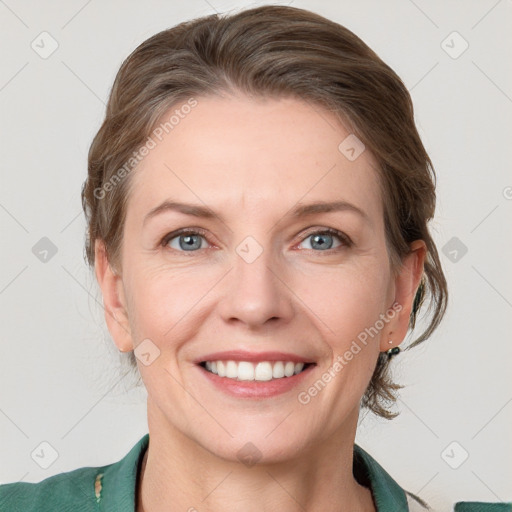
[(185, 240), (192, 240), (324, 240)]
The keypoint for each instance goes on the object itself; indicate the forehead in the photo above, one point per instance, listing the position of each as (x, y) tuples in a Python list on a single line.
[(239, 152)]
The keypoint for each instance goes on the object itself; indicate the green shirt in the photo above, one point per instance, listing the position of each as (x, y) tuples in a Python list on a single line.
[(112, 488)]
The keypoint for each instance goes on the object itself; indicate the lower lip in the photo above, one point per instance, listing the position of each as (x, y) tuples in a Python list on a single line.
[(254, 388)]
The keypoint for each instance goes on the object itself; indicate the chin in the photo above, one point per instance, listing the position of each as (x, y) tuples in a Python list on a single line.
[(256, 446)]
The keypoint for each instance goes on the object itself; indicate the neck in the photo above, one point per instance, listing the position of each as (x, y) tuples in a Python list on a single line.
[(175, 470)]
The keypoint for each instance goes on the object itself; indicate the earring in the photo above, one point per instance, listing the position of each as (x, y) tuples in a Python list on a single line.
[(392, 352)]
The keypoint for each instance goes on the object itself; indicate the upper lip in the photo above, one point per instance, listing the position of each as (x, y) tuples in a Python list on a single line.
[(243, 355)]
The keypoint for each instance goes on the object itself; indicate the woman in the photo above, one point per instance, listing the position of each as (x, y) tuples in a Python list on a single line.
[(257, 201)]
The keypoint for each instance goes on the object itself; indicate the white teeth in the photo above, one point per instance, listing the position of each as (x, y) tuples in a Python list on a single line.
[(278, 370), (245, 370), (262, 371), (289, 368), (231, 370)]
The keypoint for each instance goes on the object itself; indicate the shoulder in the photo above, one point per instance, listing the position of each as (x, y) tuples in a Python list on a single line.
[(70, 488), (86, 489), (480, 506), (389, 496)]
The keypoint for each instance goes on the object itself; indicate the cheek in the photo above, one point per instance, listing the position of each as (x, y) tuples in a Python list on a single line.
[(163, 301), (346, 301)]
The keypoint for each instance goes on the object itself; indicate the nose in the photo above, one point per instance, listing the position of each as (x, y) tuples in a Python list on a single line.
[(256, 293)]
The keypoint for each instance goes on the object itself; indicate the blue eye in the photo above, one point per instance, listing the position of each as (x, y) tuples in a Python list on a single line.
[(191, 240), (188, 241), (324, 240)]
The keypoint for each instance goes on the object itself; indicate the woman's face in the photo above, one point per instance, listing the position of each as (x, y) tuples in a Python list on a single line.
[(257, 279)]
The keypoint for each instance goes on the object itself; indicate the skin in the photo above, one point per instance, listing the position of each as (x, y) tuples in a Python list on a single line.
[(295, 297)]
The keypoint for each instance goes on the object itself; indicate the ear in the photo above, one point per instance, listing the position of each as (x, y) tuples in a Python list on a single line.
[(114, 301), (406, 285)]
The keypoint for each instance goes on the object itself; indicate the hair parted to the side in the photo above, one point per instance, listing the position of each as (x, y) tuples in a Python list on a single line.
[(274, 52)]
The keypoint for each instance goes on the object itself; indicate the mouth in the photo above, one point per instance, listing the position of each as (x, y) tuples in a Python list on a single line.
[(262, 371), (244, 374)]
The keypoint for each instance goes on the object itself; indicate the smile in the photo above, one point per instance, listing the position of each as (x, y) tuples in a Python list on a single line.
[(248, 371)]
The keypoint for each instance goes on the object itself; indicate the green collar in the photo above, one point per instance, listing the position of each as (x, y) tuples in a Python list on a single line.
[(119, 481), (387, 494), (112, 487)]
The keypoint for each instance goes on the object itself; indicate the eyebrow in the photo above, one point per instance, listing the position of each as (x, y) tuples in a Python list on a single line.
[(297, 212)]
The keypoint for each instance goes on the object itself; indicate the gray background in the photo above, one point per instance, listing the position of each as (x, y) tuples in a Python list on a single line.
[(60, 379)]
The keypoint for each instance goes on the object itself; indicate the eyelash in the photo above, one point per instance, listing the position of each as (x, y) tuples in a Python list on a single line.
[(343, 238)]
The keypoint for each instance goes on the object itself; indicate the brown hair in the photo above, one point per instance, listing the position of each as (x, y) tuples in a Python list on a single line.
[(273, 51)]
